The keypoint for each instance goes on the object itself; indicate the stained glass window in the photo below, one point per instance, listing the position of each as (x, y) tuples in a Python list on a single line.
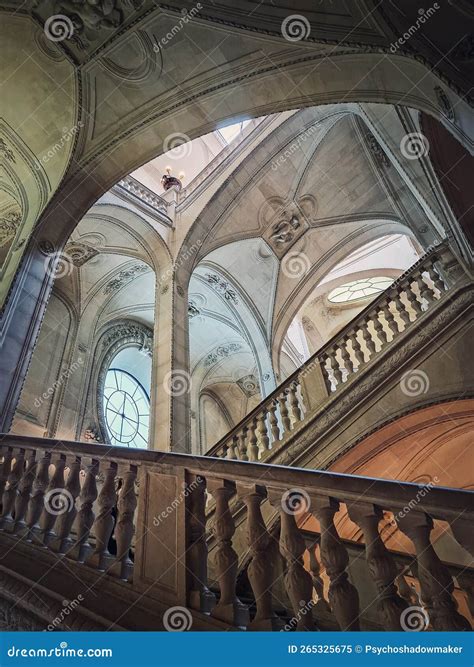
[(359, 289), (126, 409)]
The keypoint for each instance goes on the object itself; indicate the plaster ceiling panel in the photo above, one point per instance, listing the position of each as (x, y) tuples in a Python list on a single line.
[(313, 255), (341, 177), (197, 53), (37, 125), (254, 267)]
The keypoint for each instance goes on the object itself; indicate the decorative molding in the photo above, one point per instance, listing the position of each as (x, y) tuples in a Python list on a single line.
[(221, 352), (284, 222), (222, 287), (124, 277), (9, 224)]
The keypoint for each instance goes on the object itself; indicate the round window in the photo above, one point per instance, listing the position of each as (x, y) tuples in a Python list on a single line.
[(359, 289), (126, 409)]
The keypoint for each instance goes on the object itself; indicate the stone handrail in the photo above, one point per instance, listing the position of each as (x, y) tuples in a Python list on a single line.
[(144, 194), (74, 500), (340, 361)]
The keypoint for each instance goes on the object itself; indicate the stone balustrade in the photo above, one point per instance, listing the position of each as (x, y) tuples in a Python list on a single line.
[(143, 193), (367, 338), (139, 518)]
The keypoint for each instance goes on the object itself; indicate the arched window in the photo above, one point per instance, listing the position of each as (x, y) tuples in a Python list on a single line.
[(126, 409)]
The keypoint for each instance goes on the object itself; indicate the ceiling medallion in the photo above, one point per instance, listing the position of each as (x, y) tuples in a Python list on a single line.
[(249, 385), (79, 253)]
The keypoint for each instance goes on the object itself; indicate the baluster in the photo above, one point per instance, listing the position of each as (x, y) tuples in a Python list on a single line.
[(232, 448), (261, 568), (284, 414), (36, 504), (298, 584), (55, 501), (318, 583), (243, 444), (401, 309), (381, 564), (436, 583), (6, 467), (229, 608), (86, 516), (296, 413), (412, 298), (328, 373), (11, 488), (390, 318), (357, 348), (125, 526), (104, 522), (343, 596), (336, 367), (253, 442), (263, 431), (24, 491), (426, 296), (275, 429), (199, 595), (379, 329), (368, 337), (463, 533), (346, 357), (407, 591), (65, 521), (437, 279)]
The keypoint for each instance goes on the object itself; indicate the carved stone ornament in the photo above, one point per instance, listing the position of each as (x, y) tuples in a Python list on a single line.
[(92, 434), (46, 247), (124, 277), (5, 152), (444, 103), (9, 224), (222, 287), (221, 352), (79, 253), (284, 222), (193, 310), (132, 333), (249, 385), (377, 151)]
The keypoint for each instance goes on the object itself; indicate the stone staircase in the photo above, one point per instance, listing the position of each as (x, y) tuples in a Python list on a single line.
[(143, 539)]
